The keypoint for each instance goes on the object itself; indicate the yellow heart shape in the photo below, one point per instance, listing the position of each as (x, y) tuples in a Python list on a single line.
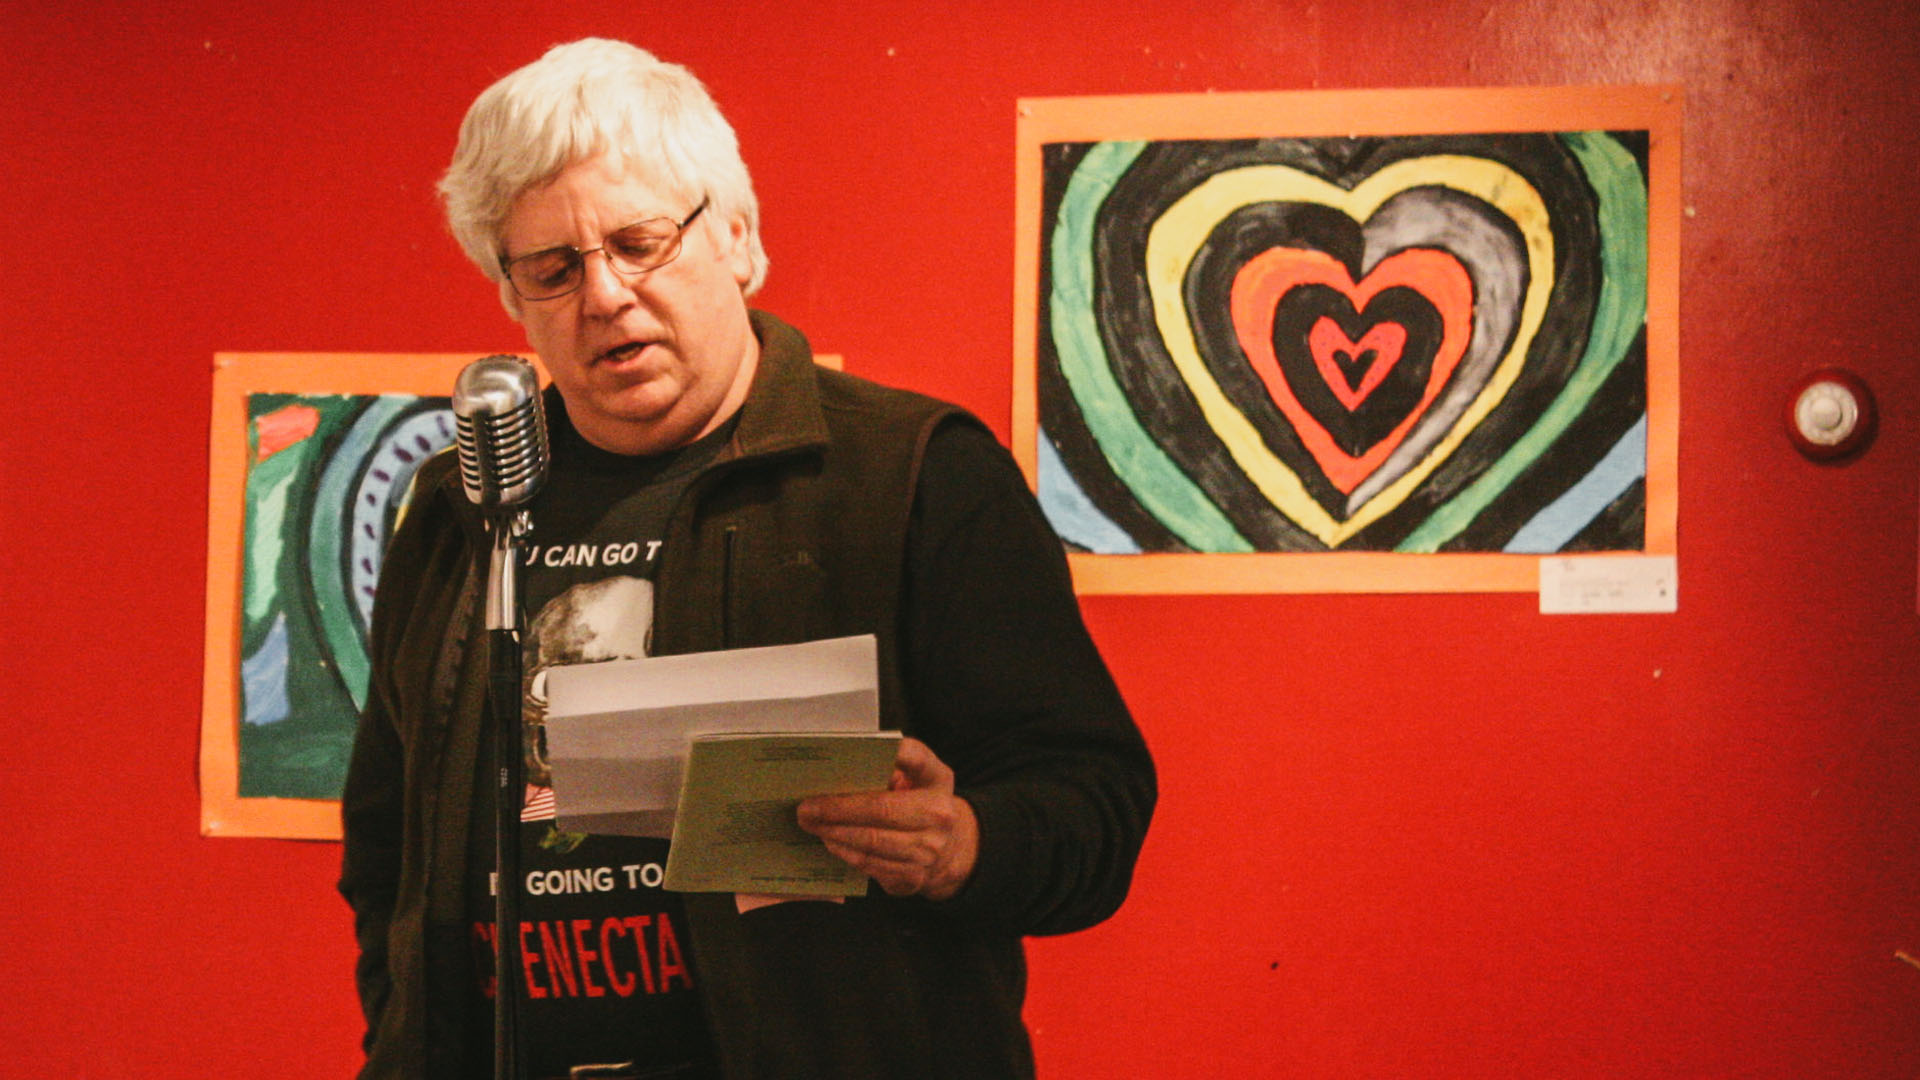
[(1177, 236)]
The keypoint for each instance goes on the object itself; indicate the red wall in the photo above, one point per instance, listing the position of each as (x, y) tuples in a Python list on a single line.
[(1399, 836)]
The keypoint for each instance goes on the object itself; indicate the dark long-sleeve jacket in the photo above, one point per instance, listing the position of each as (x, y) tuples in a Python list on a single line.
[(838, 507)]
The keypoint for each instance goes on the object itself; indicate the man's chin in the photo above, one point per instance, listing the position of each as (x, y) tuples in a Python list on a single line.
[(635, 427)]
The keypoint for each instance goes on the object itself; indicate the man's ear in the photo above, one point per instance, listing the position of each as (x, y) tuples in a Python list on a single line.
[(739, 257)]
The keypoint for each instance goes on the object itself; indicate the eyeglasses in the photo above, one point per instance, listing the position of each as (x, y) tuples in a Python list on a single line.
[(635, 249)]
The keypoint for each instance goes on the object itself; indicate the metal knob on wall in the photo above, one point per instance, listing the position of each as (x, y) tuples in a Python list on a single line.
[(1831, 415)]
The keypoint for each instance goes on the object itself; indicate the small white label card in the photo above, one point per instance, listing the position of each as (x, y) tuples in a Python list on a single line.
[(1590, 584)]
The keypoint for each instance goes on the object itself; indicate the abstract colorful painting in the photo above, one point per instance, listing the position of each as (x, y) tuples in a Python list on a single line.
[(326, 479), (1350, 340), (312, 457)]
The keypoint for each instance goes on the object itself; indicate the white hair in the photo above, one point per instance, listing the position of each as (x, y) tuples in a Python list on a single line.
[(581, 100)]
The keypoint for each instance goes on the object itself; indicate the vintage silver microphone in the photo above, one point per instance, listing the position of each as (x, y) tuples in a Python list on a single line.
[(501, 432)]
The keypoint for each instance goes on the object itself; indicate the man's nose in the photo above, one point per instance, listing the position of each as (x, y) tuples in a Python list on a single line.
[(603, 290)]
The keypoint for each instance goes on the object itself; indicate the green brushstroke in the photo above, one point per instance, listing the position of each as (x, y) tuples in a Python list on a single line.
[(332, 600), (1618, 316), (270, 486), (1140, 463), (304, 754)]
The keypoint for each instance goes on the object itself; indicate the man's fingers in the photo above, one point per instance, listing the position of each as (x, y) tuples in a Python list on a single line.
[(916, 768), (917, 837), (921, 767), (899, 877), (851, 816)]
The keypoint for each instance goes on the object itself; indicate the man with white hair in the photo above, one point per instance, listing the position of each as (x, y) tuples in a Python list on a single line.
[(712, 488)]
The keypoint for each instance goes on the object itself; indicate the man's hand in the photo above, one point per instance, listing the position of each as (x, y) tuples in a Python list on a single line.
[(918, 838)]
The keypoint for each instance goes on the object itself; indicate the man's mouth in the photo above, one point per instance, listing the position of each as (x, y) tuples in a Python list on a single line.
[(622, 353)]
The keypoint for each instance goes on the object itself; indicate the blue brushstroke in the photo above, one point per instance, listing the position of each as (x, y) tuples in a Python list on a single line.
[(1552, 528), (263, 677), (1073, 515)]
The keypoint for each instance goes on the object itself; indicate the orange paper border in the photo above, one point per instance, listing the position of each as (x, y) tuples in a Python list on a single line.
[(1308, 113)]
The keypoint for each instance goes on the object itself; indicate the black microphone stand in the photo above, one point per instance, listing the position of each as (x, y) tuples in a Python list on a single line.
[(502, 435), (504, 716)]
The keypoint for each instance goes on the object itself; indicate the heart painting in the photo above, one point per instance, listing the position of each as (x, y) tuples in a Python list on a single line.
[(1403, 343)]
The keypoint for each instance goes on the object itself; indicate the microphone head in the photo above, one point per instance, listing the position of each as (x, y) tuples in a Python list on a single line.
[(501, 431)]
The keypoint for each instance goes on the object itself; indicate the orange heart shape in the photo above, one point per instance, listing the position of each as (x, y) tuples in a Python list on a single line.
[(1266, 278)]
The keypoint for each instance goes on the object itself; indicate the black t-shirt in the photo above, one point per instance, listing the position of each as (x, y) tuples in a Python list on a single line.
[(607, 972)]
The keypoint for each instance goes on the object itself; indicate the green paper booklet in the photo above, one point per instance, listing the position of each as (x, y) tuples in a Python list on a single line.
[(737, 830)]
